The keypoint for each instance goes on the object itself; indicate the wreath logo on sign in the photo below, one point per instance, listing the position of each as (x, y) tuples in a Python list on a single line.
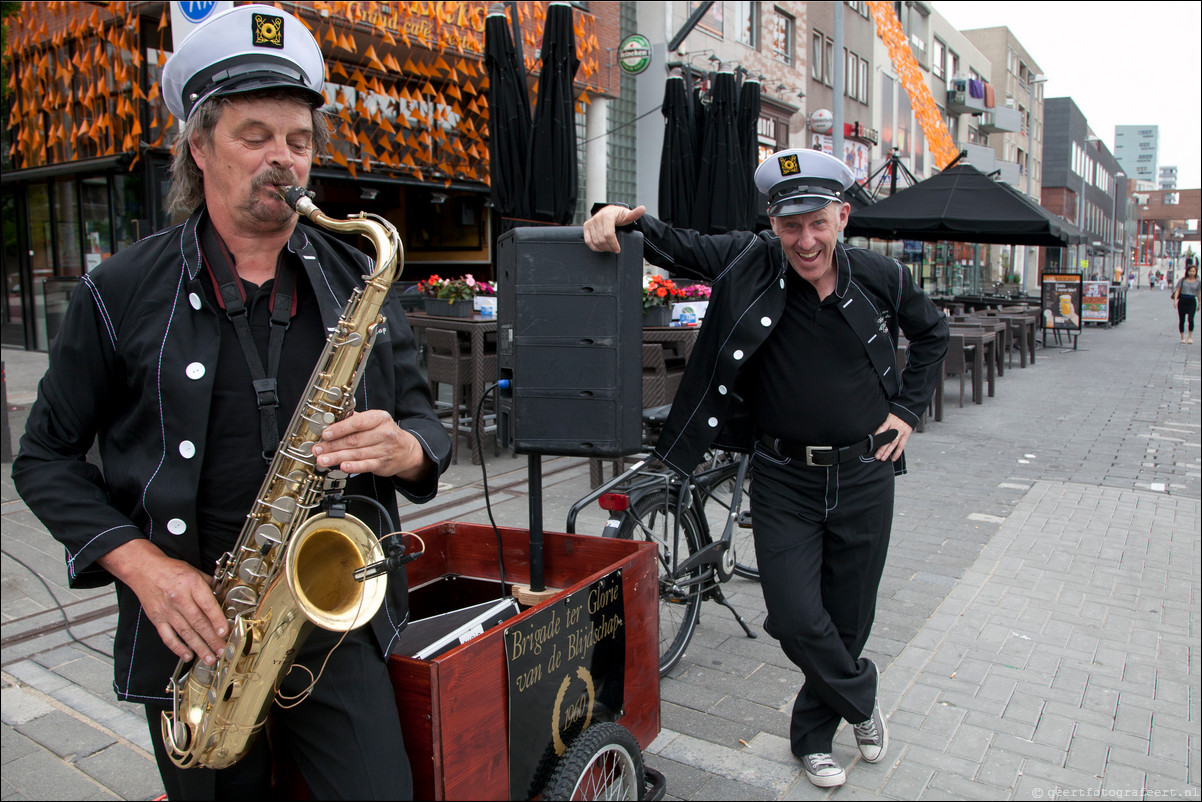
[(575, 713)]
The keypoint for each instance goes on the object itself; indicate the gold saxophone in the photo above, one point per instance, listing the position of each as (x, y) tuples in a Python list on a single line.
[(293, 566)]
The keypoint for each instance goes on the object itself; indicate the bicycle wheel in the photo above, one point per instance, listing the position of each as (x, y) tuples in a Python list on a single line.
[(718, 486), (604, 762), (653, 518)]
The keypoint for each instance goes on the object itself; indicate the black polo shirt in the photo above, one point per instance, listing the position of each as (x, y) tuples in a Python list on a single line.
[(233, 466), (811, 382)]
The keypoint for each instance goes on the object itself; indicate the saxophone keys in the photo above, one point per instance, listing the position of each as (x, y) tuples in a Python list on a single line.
[(241, 599), (250, 570), (284, 507), (318, 423), (268, 536)]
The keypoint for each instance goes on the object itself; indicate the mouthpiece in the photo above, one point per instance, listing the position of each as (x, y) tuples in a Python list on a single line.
[(293, 195)]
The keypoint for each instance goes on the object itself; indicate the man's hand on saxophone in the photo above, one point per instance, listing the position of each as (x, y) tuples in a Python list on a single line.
[(177, 598), (372, 442)]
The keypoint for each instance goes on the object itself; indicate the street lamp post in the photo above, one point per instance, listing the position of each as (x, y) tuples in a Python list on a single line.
[(1114, 214)]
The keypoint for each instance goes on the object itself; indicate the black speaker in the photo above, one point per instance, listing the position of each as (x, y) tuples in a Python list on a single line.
[(570, 343)]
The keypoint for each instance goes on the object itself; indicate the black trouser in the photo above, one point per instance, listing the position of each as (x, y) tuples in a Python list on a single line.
[(821, 535), (345, 737), (1187, 305)]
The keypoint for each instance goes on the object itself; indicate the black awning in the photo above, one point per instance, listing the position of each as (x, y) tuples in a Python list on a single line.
[(962, 204)]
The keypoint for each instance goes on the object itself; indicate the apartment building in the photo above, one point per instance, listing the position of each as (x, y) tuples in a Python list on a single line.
[(1085, 184), (1018, 82), (1137, 149)]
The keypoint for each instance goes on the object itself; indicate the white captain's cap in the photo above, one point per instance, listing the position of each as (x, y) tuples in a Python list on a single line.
[(246, 48), (797, 181)]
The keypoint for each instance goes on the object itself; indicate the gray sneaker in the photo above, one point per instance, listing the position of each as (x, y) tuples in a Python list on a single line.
[(823, 770), (873, 736)]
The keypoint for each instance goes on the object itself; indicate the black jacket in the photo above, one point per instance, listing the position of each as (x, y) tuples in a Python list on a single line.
[(747, 274), (133, 366)]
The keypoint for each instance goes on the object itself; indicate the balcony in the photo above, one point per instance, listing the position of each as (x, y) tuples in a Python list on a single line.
[(979, 156), (1011, 173), (1000, 120), (959, 101)]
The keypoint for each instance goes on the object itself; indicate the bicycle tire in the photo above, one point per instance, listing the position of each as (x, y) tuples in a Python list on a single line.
[(651, 518), (715, 506), (603, 762)]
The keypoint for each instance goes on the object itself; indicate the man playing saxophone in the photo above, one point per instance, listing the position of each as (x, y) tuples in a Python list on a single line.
[(183, 356)]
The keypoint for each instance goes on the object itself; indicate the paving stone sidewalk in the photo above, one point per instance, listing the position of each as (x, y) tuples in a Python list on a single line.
[(1038, 625)]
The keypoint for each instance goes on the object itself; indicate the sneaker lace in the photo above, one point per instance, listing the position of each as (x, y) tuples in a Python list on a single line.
[(823, 760), (867, 730)]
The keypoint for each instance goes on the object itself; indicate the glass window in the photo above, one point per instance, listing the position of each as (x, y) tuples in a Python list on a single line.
[(782, 37), (828, 61), (66, 224), (863, 82), (12, 309), (41, 254), (747, 23), (816, 56), (129, 219), (954, 65), (939, 60), (712, 20), (97, 231)]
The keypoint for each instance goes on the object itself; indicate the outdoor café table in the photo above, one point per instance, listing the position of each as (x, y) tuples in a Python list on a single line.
[(983, 359), (476, 327), (1004, 339), (679, 338), (1023, 327)]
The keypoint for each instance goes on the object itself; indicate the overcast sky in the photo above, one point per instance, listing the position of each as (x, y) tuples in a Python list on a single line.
[(1121, 63)]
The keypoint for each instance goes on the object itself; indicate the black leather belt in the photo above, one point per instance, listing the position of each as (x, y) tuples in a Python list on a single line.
[(825, 456)]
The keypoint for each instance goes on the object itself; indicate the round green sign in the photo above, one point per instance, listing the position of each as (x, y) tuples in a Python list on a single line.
[(634, 54)]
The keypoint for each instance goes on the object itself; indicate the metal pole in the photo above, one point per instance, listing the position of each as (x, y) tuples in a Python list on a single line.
[(535, 472), (837, 103)]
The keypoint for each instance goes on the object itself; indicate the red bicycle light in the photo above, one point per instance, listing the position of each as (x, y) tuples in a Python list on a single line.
[(614, 502)]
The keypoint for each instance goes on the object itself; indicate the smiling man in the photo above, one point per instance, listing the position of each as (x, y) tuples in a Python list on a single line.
[(184, 356), (797, 361)]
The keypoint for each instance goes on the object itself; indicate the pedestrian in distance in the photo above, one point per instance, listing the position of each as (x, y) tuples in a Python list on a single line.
[(1185, 301), (157, 361), (797, 362)]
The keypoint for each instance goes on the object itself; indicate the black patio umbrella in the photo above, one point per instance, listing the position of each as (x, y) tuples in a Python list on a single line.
[(508, 119), (678, 159), (552, 179), (721, 188), (749, 143), (962, 204)]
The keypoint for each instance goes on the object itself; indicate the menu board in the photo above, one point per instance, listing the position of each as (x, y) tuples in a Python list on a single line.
[(1062, 297), (1095, 302)]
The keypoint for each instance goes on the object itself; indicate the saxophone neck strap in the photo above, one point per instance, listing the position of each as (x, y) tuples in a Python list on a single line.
[(231, 296)]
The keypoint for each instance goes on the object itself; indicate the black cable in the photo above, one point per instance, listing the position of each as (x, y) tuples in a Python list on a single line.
[(59, 605), (477, 434), (392, 527)]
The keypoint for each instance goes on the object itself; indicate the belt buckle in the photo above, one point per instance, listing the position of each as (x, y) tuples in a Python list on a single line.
[(811, 451)]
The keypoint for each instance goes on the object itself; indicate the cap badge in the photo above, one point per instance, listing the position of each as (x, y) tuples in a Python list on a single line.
[(789, 165), (268, 31)]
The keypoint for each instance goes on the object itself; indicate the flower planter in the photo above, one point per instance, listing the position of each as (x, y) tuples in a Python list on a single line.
[(657, 316), (441, 307)]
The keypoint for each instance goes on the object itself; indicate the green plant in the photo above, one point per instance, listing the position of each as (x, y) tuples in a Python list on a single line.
[(454, 289)]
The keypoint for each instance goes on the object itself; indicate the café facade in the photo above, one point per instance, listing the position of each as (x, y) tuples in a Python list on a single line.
[(87, 139)]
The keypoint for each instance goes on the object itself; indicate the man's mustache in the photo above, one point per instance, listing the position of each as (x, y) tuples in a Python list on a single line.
[(277, 177)]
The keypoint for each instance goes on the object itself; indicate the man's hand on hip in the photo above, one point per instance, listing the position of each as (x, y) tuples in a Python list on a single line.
[(892, 450)]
